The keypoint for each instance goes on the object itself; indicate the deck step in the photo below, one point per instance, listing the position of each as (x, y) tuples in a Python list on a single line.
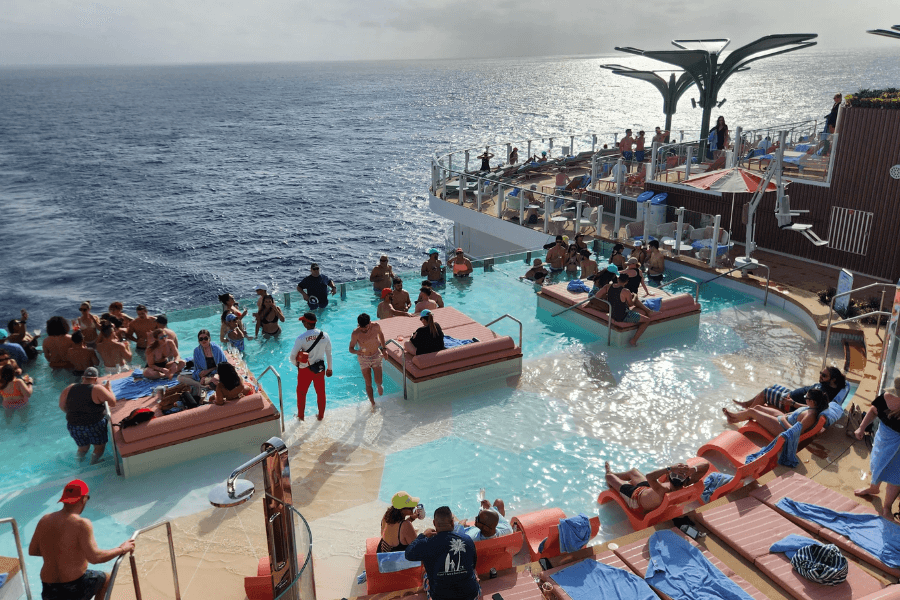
[(854, 356)]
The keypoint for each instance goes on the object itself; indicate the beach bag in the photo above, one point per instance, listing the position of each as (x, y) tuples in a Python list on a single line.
[(136, 417), (821, 564)]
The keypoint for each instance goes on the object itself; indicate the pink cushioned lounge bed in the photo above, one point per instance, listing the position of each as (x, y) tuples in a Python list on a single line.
[(207, 429), (678, 312), (491, 358)]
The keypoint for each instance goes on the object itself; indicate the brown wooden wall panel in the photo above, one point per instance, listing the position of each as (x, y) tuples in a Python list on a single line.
[(869, 146)]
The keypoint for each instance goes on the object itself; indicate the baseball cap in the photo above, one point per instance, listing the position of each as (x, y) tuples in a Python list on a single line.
[(230, 318), (459, 250), (91, 372), (308, 317), (74, 491), (432, 251), (632, 261), (385, 292), (3, 334), (261, 286), (424, 313), (403, 500), (613, 269)]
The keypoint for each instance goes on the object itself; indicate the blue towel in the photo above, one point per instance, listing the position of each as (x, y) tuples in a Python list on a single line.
[(801, 147), (791, 544), (834, 411), (707, 243), (451, 342), (391, 562), (361, 578), (680, 570), (712, 482), (3, 577), (574, 533), (128, 389), (873, 533), (654, 304), (577, 286), (589, 580), (788, 456)]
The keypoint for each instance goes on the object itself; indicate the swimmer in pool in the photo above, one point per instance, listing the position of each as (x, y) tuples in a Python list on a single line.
[(368, 344), (462, 266)]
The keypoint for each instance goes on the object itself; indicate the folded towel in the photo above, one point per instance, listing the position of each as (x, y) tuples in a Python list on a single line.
[(574, 533), (654, 304), (577, 286), (790, 544), (3, 578), (788, 456), (451, 342), (391, 562), (361, 578), (128, 389), (712, 482)]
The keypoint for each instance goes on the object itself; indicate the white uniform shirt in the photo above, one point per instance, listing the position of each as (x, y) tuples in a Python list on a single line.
[(305, 341)]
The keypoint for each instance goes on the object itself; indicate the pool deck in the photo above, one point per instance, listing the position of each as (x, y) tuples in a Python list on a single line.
[(217, 548)]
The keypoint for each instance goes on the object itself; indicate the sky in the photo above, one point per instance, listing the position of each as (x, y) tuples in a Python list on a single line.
[(77, 32)]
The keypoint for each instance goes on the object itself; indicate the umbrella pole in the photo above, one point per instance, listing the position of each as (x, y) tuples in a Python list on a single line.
[(731, 217)]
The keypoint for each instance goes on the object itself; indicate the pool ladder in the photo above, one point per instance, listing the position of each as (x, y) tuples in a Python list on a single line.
[(134, 571), (15, 530)]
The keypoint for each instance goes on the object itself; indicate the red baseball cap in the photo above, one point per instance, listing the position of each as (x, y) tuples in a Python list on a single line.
[(385, 292), (74, 491)]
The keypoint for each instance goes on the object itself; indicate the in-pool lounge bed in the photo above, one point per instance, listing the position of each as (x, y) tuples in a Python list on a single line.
[(493, 357), (678, 312), (207, 429)]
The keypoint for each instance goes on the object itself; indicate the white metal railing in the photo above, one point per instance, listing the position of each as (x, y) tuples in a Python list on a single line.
[(693, 282), (884, 287), (280, 399), (507, 316), (15, 530), (608, 315), (134, 570)]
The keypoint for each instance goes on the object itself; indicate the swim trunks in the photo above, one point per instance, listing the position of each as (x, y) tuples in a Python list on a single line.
[(627, 155), (370, 361), (778, 396), (655, 278), (87, 435), (237, 344), (632, 317), (639, 155), (633, 493), (83, 588)]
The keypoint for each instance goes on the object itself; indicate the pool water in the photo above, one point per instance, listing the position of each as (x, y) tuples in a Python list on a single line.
[(539, 440)]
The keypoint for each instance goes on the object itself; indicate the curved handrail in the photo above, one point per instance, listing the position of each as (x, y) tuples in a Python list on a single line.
[(280, 399), (15, 529), (403, 354), (507, 316), (302, 570), (831, 323), (608, 319), (688, 279), (109, 422), (134, 573)]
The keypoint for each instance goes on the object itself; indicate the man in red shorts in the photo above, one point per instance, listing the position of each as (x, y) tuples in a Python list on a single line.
[(310, 351)]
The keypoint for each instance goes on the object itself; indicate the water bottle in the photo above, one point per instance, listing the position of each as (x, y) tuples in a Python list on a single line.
[(480, 495)]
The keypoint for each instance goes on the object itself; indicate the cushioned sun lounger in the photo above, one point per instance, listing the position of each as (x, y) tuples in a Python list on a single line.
[(752, 471), (378, 582), (511, 586), (637, 557), (671, 507), (736, 446), (802, 489), (754, 427), (750, 528)]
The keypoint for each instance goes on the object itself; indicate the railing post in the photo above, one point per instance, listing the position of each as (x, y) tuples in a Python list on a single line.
[(680, 231), (479, 192), (434, 185), (736, 158), (499, 200), (343, 291), (599, 220), (467, 161), (646, 235), (521, 206), (462, 189), (529, 150), (714, 249), (550, 150), (572, 145), (546, 214), (651, 170), (681, 135), (689, 153), (593, 142), (615, 231), (449, 164), (594, 171), (508, 152)]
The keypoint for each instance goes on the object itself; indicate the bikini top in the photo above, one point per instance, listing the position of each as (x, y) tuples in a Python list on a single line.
[(267, 322)]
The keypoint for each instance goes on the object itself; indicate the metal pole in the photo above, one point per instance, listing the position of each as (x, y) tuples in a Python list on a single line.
[(478, 192), (546, 214), (499, 200), (599, 220), (521, 206), (594, 142), (714, 249), (646, 236), (736, 158), (681, 135), (467, 160), (572, 145), (615, 232), (594, 171), (529, 150), (462, 189), (687, 163), (508, 152), (651, 170), (680, 231)]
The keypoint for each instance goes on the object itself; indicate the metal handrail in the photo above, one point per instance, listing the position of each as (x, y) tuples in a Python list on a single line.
[(403, 354), (15, 528), (688, 279), (608, 317), (514, 319), (306, 563), (883, 286), (280, 399), (134, 572), (747, 266), (848, 320), (116, 457)]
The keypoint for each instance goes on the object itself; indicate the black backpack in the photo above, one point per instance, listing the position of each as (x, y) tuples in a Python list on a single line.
[(137, 416)]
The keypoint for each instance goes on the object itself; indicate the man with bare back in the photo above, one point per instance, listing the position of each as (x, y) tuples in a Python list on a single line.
[(385, 309), (114, 353), (140, 327), (367, 343), (65, 540)]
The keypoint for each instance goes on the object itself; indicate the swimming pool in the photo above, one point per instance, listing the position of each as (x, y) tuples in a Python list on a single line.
[(540, 440)]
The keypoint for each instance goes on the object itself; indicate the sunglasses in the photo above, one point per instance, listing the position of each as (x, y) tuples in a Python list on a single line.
[(203, 339), (84, 309), (316, 269), (383, 260)]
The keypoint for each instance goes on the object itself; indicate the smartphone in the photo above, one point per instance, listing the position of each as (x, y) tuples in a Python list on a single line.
[(690, 532), (496, 597)]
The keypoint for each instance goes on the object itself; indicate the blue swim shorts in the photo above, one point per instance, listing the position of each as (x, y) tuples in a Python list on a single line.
[(776, 395), (87, 435), (83, 588), (632, 316)]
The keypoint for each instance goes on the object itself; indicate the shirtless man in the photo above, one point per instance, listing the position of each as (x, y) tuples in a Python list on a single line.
[(430, 295), (114, 353), (386, 308), (425, 302), (656, 263), (139, 328), (400, 298), (367, 343), (162, 324), (625, 146), (462, 266), (431, 268), (645, 492), (80, 356), (162, 356), (556, 256), (537, 272), (65, 540), (660, 136), (639, 142), (382, 276), (115, 309), (588, 265)]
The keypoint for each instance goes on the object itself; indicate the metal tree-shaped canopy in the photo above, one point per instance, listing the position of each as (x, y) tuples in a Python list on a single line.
[(700, 59), (671, 90), (887, 33)]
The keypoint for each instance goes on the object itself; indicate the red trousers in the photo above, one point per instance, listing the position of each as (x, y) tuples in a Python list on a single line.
[(304, 378)]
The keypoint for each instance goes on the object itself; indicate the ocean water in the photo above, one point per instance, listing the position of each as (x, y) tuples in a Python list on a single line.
[(169, 185)]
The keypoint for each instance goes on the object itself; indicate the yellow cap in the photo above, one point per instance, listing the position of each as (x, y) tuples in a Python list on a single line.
[(403, 500)]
